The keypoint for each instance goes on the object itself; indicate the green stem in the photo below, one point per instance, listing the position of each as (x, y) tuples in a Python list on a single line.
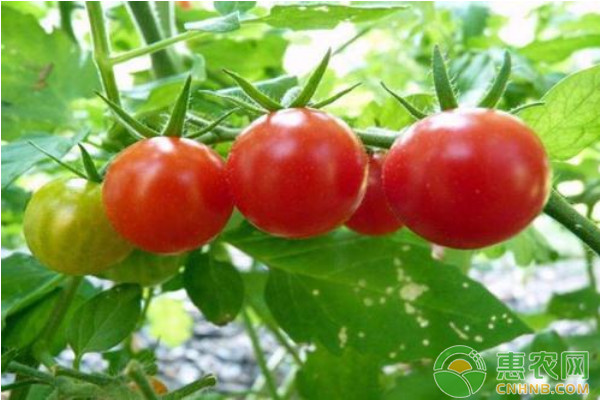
[(77, 361), (96, 379), (260, 357), (149, 296), (102, 50), (26, 370), (154, 47), (65, 9), (589, 262), (135, 372), (145, 19), (23, 383), (560, 209), (203, 383)]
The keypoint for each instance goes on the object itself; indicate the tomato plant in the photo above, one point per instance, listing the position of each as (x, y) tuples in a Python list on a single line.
[(467, 178), (297, 173), (374, 216), (66, 228), (167, 194), (306, 200)]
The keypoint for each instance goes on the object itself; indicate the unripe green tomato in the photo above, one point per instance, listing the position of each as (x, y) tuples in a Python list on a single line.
[(143, 268), (67, 230)]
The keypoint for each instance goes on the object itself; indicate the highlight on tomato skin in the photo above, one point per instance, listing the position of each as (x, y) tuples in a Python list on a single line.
[(467, 178), (297, 172), (167, 195), (374, 216)]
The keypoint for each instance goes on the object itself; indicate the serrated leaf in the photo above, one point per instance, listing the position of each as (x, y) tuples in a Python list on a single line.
[(341, 289), (324, 16), (227, 23), (19, 156), (24, 281), (214, 286), (106, 319), (568, 122), (351, 376)]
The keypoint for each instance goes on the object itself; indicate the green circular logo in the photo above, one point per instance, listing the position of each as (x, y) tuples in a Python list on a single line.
[(459, 371)]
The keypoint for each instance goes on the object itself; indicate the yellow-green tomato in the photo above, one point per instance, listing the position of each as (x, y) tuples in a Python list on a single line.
[(67, 230), (143, 268)]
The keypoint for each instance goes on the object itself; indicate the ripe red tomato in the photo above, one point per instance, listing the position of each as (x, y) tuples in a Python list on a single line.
[(374, 216), (467, 178), (297, 172), (167, 194)]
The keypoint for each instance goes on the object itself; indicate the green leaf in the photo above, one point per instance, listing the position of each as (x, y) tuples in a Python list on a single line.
[(312, 84), (254, 58), (18, 157), (105, 320), (324, 16), (568, 121), (176, 123), (214, 286), (24, 327), (227, 7), (441, 81), (579, 304), (341, 289), (24, 281), (42, 73), (351, 376), (557, 49), (227, 23)]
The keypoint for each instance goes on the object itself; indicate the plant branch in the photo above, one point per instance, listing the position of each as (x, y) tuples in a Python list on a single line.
[(96, 379), (145, 19), (260, 357), (102, 50), (135, 372), (26, 370), (202, 383), (154, 47), (562, 211)]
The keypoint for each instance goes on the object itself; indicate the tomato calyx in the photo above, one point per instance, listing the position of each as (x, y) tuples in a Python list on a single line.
[(176, 124), (445, 92), (296, 97), (91, 173)]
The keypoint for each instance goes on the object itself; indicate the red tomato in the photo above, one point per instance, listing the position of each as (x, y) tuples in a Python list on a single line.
[(467, 178), (167, 194), (374, 216), (297, 172)]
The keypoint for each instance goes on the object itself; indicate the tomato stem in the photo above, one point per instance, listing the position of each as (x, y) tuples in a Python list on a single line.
[(202, 383), (135, 372), (562, 211), (101, 47), (260, 357), (163, 63)]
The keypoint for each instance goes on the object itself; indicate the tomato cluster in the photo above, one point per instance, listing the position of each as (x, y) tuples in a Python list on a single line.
[(465, 178)]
